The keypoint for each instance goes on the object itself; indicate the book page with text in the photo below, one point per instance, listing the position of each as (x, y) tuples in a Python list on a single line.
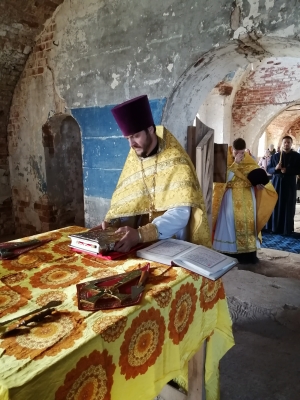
[(170, 249), (204, 256)]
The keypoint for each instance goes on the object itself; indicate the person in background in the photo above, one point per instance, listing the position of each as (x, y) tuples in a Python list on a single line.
[(263, 162), (272, 149), (242, 206), (284, 167), (158, 195)]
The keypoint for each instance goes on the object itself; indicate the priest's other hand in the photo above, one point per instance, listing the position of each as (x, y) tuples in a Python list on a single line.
[(129, 240), (259, 187), (283, 170), (238, 158)]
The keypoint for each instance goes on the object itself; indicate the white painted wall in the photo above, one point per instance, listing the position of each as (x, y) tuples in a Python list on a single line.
[(211, 113)]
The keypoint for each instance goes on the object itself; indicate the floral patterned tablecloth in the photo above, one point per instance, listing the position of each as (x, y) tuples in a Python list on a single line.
[(125, 353)]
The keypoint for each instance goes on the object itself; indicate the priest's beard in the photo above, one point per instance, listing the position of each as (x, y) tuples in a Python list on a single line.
[(143, 150)]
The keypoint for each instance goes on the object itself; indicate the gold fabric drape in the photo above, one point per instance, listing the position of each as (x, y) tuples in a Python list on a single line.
[(243, 204), (176, 185)]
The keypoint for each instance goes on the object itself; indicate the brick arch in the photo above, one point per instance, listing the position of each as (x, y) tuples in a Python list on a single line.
[(200, 78)]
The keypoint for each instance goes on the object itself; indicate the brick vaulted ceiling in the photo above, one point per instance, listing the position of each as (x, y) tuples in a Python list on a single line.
[(286, 123), (20, 22)]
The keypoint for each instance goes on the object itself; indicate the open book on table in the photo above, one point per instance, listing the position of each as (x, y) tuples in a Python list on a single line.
[(196, 258)]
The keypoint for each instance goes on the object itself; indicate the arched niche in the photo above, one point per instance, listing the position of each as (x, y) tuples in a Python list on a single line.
[(63, 166)]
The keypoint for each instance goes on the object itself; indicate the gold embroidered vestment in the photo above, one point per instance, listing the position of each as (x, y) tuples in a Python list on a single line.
[(243, 206), (176, 185)]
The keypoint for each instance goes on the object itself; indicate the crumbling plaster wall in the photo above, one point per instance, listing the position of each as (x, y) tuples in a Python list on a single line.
[(216, 110), (33, 101), (105, 52), (267, 91)]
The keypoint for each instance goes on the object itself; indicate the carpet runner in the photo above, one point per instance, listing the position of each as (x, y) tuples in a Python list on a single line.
[(280, 242)]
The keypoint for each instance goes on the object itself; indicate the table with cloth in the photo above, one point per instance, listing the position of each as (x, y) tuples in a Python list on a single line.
[(124, 353)]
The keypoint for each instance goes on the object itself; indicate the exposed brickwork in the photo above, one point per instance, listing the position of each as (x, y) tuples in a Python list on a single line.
[(224, 88), (35, 65), (295, 130), (20, 23), (270, 83), (284, 124)]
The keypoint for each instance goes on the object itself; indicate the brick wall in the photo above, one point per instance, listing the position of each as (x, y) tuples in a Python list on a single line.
[(270, 83), (294, 131)]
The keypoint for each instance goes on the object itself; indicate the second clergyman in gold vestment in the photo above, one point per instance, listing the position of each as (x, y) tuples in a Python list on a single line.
[(240, 210)]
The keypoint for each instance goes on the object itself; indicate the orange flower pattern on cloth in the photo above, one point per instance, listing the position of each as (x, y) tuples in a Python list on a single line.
[(110, 327), (104, 273), (162, 295), (63, 247), (195, 276), (107, 263), (12, 279), (45, 298), (12, 300), (72, 229), (142, 343), (182, 312), (210, 293), (91, 261), (91, 379), (32, 259), (58, 276), (54, 333)]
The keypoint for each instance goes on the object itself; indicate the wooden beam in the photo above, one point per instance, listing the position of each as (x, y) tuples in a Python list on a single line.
[(191, 143)]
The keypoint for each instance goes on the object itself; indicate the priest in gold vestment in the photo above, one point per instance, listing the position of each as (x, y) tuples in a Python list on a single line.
[(158, 195), (241, 207)]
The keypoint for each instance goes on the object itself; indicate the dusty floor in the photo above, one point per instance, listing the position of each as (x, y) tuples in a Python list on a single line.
[(264, 301)]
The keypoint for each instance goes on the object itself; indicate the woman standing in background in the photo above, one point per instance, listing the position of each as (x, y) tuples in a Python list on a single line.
[(263, 162)]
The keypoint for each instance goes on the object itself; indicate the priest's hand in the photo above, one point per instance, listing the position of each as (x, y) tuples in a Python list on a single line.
[(238, 158), (283, 170), (278, 166), (259, 187), (129, 240)]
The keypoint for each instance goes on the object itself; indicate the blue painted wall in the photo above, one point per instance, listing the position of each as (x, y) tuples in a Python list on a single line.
[(104, 148)]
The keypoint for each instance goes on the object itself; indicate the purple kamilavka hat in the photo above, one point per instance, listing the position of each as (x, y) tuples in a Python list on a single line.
[(133, 115)]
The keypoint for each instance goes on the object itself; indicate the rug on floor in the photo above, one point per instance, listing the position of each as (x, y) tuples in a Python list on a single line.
[(280, 242)]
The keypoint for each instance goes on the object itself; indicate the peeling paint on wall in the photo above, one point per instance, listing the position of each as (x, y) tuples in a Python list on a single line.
[(36, 170), (170, 67), (115, 82), (269, 4)]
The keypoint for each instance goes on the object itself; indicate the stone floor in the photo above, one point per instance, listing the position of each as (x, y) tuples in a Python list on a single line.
[(264, 301)]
